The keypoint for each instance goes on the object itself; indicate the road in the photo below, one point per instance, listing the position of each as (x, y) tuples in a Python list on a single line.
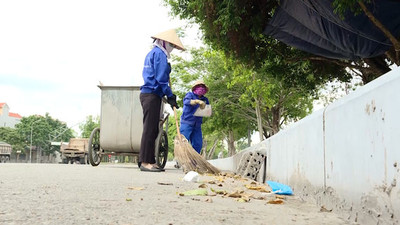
[(121, 194)]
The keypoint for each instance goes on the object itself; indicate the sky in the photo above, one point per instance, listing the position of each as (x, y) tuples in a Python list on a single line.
[(53, 53)]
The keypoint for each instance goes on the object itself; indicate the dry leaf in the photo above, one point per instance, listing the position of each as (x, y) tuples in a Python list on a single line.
[(237, 177), (323, 209), (202, 186), (136, 188), (201, 192), (235, 194), (257, 188), (219, 192), (162, 183), (211, 182), (241, 200), (275, 201), (280, 197), (229, 175)]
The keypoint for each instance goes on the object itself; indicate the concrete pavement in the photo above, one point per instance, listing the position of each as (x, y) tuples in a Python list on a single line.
[(121, 194)]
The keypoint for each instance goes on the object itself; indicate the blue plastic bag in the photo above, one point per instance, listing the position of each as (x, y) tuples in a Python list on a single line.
[(279, 188)]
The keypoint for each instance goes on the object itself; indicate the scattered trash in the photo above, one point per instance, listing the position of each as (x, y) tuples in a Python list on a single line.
[(191, 176), (245, 189), (279, 188)]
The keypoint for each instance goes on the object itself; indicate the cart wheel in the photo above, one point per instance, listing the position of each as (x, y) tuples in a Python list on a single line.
[(162, 150), (94, 147)]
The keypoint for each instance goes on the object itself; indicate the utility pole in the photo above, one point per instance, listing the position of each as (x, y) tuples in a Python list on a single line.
[(30, 150)]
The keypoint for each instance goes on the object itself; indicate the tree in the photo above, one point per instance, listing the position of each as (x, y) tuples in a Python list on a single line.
[(208, 65), (41, 130), (12, 137), (357, 7), (236, 28), (244, 98), (89, 125)]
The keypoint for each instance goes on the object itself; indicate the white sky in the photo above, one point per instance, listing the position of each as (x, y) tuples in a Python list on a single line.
[(53, 53)]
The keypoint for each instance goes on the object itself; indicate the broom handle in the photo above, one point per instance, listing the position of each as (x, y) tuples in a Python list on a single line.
[(176, 117), (177, 124)]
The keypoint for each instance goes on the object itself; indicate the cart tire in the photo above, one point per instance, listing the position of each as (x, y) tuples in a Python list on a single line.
[(162, 150), (94, 147)]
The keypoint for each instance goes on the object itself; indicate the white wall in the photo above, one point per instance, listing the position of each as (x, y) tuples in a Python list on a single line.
[(6, 120), (346, 156)]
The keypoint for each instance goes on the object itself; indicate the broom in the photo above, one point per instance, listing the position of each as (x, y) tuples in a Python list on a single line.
[(188, 157)]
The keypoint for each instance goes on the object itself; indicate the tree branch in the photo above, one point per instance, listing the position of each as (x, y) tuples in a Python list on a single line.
[(388, 34)]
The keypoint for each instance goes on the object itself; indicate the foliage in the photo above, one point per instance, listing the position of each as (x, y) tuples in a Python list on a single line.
[(209, 66), (12, 137), (236, 27), (283, 91), (342, 6), (41, 130), (90, 124)]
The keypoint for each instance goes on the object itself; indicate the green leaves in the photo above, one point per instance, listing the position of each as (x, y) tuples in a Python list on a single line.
[(90, 124), (41, 130)]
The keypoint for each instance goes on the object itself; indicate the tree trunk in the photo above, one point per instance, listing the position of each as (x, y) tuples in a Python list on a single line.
[(212, 149), (248, 137), (276, 118), (204, 149), (259, 120), (231, 143)]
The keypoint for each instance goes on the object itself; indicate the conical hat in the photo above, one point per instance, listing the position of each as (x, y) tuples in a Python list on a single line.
[(171, 37), (199, 82)]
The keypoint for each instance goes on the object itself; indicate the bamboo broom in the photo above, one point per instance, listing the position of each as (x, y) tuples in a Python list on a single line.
[(187, 156)]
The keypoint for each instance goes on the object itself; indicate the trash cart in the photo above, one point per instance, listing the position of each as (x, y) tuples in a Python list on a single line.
[(121, 126)]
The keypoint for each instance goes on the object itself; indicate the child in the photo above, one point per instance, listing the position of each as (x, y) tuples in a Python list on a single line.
[(190, 124)]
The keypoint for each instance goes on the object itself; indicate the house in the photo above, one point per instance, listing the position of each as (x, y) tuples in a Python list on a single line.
[(7, 118)]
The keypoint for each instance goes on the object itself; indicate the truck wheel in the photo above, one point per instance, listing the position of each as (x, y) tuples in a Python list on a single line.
[(95, 152)]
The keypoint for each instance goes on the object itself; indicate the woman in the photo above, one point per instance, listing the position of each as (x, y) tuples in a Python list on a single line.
[(190, 124), (156, 72)]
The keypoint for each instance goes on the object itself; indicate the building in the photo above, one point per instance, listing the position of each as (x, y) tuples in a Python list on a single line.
[(7, 118)]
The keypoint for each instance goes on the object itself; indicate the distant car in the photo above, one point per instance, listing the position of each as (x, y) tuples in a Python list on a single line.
[(5, 152)]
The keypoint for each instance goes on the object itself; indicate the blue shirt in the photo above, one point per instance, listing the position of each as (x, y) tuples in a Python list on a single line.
[(156, 72), (188, 109)]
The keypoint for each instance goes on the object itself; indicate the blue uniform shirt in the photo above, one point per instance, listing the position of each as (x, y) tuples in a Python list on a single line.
[(188, 110), (156, 72)]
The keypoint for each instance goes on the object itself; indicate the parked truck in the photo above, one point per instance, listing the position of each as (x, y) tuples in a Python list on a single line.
[(75, 152), (5, 152)]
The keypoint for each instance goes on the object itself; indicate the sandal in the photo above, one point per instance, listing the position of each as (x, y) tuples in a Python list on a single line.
[(152, 169)]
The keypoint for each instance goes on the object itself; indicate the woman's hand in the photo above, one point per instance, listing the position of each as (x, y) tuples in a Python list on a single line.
[(198, 102)]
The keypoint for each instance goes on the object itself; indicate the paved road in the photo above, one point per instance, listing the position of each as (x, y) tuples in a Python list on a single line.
[(121, 194)]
